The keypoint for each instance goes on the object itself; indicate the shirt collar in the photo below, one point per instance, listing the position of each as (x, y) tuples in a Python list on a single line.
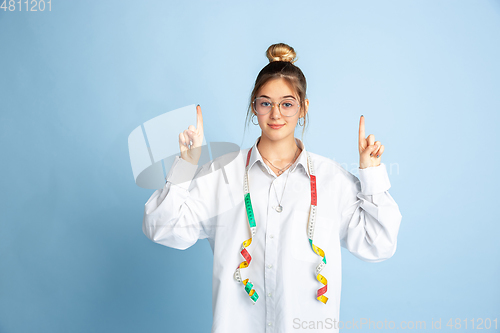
[(301, 160)]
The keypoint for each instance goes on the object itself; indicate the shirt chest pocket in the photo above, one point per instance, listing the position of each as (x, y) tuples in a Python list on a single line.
[(301, 248)]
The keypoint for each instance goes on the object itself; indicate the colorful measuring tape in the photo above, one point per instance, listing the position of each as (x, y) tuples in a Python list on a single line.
[(253, 228)]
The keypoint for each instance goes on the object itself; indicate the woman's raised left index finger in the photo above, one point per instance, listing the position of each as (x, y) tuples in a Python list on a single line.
[(361, 128)]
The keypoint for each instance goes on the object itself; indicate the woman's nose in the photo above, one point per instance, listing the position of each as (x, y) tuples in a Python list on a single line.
[(275, 111)]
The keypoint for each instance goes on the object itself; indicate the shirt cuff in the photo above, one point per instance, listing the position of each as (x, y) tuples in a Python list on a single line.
[(181, 172), (374, 180)]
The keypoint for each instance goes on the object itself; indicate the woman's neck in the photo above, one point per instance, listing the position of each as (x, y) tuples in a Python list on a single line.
[(281, 152)]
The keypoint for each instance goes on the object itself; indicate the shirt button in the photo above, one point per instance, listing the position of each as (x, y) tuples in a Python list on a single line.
[(271, 236), (269, 266), (269, 294), (269, 324)]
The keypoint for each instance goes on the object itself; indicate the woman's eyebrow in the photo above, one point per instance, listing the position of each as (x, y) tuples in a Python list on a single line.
[(281, 97)]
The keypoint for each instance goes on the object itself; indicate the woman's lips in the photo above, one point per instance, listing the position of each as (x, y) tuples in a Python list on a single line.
[(276, 126)]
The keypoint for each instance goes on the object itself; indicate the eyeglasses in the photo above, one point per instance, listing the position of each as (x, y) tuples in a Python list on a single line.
[(287, 107)]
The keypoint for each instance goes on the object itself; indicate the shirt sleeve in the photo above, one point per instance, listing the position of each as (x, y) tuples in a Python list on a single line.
[(370, 217), (175, 215)]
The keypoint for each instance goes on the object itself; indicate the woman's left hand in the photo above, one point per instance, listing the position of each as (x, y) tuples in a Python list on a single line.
[(370, 151)]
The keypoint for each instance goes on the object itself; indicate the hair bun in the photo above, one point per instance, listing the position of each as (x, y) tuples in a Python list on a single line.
[(281, 52)]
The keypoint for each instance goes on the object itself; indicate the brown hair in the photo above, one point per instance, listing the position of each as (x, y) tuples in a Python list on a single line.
[(281, 58)]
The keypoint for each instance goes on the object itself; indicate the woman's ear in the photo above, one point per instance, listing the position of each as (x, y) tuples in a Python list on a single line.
[(306, 103)]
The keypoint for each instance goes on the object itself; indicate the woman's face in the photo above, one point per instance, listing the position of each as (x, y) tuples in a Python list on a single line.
[(278, 90)]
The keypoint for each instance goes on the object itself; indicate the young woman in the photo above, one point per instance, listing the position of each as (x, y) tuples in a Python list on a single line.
[(278, 214)]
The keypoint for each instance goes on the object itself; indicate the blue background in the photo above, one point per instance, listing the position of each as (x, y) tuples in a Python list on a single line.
[(75, 81)]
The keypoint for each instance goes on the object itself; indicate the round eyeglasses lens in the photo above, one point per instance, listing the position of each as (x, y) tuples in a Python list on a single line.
[(288, 107)]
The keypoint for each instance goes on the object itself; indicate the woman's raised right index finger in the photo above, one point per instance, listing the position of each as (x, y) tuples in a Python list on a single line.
[(199, 118)]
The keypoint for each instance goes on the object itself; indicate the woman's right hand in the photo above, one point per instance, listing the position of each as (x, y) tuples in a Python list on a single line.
[(190, 140)]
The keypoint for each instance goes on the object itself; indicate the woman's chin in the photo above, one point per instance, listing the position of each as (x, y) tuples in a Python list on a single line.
[(277, 134)]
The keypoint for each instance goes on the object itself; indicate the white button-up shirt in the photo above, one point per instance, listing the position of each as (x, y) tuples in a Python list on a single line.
[(208, 202)]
